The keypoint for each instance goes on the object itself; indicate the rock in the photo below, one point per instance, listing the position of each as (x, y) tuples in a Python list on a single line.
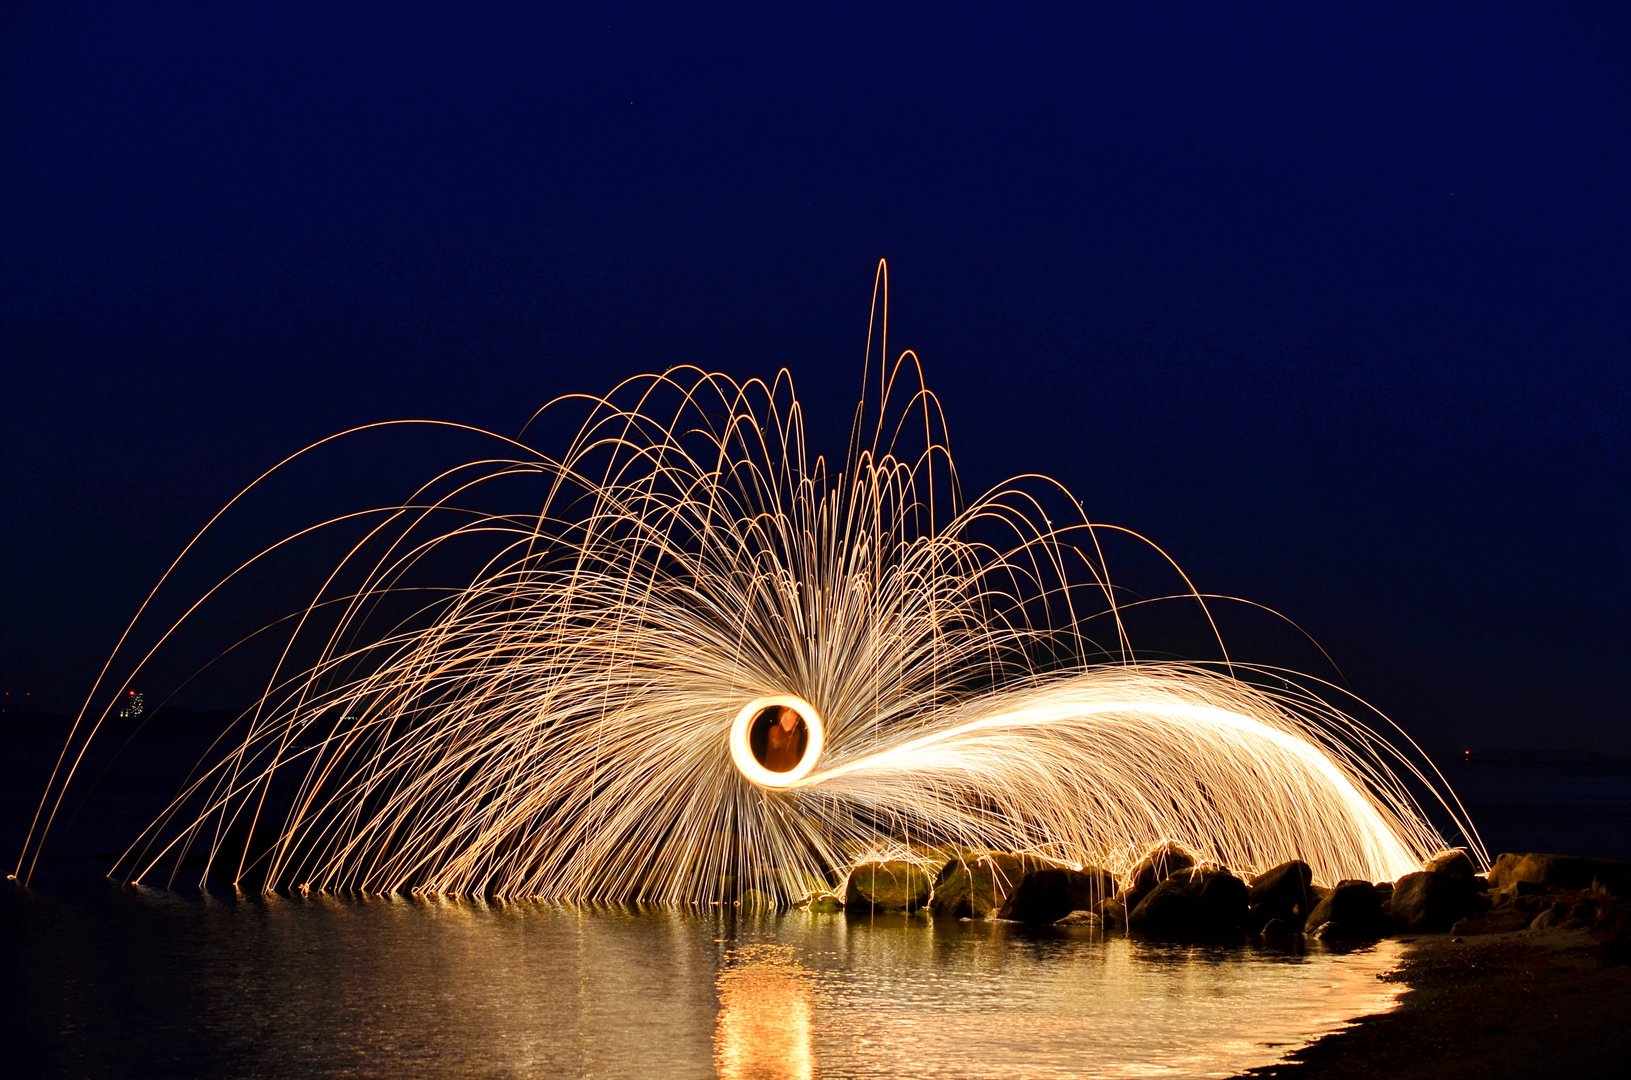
[(953, 895), (1042, 896), (1113, 912), (1083, 919), (1554, 872), (1048, 894), (1579, 910), (1169, 910), (1354, 908), (974, 887), (1278, 928), (886, 886), (826, 905), (1223, 901), (1284, 885), (1454, 862), (957, 862), (1430, 903), (1283, 893), (1550, 917), (1491, 922), (1612, 930), (1195, 902), (1158, 864)]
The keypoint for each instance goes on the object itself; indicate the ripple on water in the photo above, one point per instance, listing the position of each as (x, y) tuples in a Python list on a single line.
[(897, 997), (137, 984)]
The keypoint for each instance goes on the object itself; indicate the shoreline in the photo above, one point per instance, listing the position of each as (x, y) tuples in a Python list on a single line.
[(1526, 1003)]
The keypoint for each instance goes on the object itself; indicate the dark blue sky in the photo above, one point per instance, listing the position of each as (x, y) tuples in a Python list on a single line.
[(1332, 302)]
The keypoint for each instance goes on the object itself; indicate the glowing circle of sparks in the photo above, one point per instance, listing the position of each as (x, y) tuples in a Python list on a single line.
[(742, 749)]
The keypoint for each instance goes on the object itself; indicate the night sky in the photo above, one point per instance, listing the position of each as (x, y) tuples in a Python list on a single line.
[(1332, 302)]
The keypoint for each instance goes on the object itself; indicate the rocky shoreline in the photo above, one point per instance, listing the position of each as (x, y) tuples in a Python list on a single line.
[(1169, 893)]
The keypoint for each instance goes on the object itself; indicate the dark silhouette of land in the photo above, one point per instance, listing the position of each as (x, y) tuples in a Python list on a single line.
[(1529, 1003)]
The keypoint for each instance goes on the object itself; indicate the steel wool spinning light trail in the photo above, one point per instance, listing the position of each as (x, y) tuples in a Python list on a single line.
[(578, 721)]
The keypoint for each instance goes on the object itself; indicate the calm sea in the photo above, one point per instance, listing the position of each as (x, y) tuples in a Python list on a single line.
[(1566, 804), (135, 983)]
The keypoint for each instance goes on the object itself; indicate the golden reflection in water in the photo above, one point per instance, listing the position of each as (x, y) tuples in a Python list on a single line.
[(765, 1029)]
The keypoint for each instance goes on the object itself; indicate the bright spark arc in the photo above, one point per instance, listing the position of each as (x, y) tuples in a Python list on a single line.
[(1083, 753), (573, 722)]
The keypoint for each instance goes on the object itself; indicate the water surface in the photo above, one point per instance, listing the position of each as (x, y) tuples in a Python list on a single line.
[(130, 982)]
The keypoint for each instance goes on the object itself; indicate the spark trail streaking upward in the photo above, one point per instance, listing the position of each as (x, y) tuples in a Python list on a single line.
[(577, 718)]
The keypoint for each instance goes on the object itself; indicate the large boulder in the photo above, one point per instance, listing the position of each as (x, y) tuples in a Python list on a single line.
[(975, 886), (953, 893), (1351, 911), (1454, 862), (1168, 910), (1224, 901), (1543, 872), (1196, 902), (1048, 894), (1158, 864), (886, 886), (1284, 892), (1430, 903)]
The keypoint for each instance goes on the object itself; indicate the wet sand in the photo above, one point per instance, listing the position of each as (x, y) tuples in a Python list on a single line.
[(1531, 1003)]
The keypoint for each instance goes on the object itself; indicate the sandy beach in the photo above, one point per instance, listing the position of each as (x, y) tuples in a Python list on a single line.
[(1529, 1003)]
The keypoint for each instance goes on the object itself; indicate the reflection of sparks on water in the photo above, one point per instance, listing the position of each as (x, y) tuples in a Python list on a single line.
[(765, 1029), (562, 724)]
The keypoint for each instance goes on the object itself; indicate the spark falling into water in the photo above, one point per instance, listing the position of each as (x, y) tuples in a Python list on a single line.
[(576, 721)]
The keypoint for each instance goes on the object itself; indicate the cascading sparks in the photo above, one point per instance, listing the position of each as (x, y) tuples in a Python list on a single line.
[(579, 718)]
